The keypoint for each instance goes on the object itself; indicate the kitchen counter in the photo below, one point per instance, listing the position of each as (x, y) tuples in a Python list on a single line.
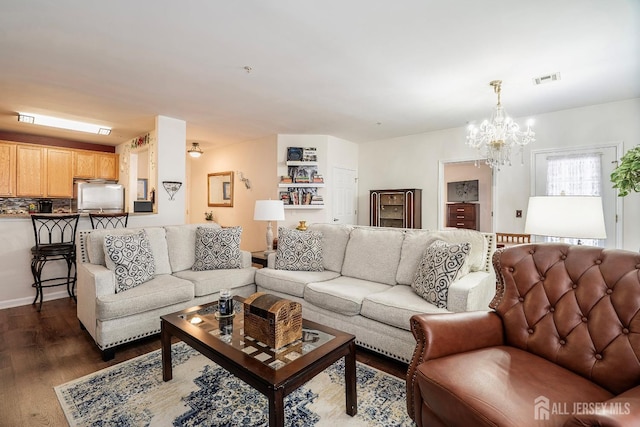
[(82, 215)]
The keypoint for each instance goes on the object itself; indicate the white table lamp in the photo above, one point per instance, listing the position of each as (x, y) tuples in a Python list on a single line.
[(579, 217), (269, 210)]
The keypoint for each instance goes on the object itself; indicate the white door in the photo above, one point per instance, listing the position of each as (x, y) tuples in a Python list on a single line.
[(344, 186), (610, 201)]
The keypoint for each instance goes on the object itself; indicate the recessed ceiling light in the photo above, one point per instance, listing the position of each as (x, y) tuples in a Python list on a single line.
[(39, 119), (548, 78)]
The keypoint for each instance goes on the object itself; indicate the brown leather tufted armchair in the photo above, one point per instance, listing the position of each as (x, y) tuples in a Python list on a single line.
[(560, 348)]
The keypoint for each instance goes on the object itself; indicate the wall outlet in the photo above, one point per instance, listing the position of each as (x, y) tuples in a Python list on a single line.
[(519, 213)]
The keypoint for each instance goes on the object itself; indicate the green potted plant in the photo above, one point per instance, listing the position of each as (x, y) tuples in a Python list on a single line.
[(626, 177)]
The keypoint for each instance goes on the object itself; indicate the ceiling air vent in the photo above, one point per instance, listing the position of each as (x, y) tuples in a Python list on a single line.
[(546, 78)]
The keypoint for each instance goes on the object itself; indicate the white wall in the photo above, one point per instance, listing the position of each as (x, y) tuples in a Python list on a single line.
[(412, 162)]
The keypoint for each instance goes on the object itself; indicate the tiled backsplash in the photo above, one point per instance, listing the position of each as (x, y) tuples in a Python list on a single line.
[(21, 206)]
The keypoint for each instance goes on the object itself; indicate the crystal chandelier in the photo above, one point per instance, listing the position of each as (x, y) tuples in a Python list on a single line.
[(495, 138)]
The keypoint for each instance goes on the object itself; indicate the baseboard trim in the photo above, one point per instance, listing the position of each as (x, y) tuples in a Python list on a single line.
[(28, 300)]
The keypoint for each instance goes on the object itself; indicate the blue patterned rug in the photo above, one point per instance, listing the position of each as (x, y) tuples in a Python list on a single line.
[(201, 393)]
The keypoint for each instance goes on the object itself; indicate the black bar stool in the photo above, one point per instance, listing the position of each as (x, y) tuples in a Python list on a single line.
[(109, 220), (55, 237)]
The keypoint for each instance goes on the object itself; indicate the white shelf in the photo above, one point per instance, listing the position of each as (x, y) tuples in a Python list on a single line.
[(304, 206), (300, 163), (298, 185)]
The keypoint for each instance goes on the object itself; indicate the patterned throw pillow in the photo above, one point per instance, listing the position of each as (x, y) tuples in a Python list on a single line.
[(440, 266), (299, 250), (217, 248), (129, 256)]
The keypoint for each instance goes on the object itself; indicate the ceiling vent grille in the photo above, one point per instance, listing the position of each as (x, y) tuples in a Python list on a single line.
[(546, 79)]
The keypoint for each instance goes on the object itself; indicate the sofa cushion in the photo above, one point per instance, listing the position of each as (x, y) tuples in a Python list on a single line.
[(161, 291), (373, 254), (211, 281), (299, 250), (501, 384), (181, 241), (396, 305), (290, 282), (334, 244), (217, 248), (130, 258), (342, 295), (441, 264), (157, 240)]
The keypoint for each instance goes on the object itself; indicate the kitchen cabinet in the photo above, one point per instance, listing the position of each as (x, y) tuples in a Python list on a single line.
[(84, 164), (30, 171), (59, 179), (95, 165), (396, 208), (463, 215), (107, 166), (7, 169), (43, 171)]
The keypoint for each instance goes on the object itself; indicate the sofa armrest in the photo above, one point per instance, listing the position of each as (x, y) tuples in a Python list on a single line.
[(622, 410), (271, 260), (94, 280), (245, 259), (472, 292), (439, 335)]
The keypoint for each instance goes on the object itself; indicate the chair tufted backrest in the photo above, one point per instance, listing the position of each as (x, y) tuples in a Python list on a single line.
[(577, 306)]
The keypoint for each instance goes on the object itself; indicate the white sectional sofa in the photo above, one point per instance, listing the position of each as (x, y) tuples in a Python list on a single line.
[(365, 286), (114, 318)]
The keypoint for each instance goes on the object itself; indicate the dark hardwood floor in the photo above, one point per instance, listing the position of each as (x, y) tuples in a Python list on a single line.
[(40, 350)]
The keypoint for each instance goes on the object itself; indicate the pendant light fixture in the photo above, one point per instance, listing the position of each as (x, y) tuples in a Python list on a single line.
[(194, 150)]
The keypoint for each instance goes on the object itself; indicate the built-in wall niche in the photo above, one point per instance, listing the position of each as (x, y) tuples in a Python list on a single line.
[(139, 161)]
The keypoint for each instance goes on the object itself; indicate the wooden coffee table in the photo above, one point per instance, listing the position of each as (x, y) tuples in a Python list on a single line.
[(273, 373)]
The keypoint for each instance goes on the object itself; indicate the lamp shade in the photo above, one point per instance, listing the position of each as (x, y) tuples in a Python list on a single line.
[(579, 217), (269, 210)]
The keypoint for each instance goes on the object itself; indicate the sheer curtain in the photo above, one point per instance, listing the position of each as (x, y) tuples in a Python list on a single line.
[(575, 175)]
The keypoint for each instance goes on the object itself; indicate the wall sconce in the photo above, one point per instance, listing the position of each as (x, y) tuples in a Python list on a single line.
[(246, 181), (194, 150)]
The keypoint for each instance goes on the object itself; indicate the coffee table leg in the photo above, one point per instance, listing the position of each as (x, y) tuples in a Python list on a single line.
[(276, 408), (165, 339), (350, 380)]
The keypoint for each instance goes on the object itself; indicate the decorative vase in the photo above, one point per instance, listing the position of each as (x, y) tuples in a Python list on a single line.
[(302, 226)]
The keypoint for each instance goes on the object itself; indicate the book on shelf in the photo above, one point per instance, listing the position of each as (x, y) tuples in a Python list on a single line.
[(286, 180)]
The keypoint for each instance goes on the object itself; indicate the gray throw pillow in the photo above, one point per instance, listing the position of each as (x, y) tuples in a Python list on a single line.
[(440, 266), (217, 248), (299, 250), (129, 256)]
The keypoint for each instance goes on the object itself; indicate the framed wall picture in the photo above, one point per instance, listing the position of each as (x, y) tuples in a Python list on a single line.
[(142, 189)]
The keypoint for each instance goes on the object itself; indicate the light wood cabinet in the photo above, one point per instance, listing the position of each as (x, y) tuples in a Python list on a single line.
[(30, 171), (90, 165), (84, 164), (463, 215), (7, 169), (396, 208), (59, 172), (43, 171), (107, 166)]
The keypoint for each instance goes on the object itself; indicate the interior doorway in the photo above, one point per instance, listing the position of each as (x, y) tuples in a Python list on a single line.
[(468, 170)]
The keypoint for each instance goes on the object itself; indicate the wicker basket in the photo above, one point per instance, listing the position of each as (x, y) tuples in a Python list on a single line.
[(272, 320)]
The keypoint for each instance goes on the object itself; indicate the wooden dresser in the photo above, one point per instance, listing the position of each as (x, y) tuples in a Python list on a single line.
[(463, 215)]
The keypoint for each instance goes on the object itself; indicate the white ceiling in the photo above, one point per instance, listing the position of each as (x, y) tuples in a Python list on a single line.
[(360, 70)]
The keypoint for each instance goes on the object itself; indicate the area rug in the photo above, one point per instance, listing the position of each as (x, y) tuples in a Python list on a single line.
[(201, 393)]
